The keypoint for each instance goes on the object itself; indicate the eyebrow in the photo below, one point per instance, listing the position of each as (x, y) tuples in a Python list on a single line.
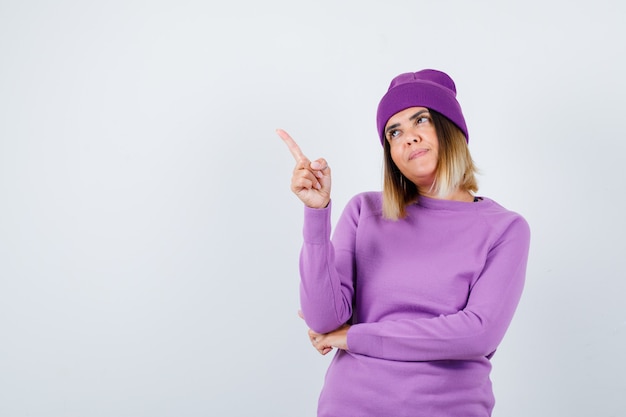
[(415, 116), (418, 114)]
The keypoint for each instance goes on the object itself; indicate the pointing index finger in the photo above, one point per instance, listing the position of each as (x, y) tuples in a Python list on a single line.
[(292, 145)]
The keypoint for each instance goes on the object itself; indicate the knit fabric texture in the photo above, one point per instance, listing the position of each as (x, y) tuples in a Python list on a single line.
[(428, 88), (429, 298)]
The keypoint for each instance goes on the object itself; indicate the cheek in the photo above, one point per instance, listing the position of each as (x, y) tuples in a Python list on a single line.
[(395, 154)]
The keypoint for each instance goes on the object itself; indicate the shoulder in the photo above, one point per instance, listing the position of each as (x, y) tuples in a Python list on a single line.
[(364, 204), (493, 208), (508, 221), (369, 201)]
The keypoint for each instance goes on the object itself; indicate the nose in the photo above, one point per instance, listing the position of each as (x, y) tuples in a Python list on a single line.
[(413, 139)]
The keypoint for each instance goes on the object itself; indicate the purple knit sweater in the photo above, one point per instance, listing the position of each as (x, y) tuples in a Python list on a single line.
[(429, 298)]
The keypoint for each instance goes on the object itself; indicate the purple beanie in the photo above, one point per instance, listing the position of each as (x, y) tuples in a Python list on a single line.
[(428, 88)]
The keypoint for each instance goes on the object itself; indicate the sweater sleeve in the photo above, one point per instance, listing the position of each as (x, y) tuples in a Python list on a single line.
[(327, 270), (473, 332)]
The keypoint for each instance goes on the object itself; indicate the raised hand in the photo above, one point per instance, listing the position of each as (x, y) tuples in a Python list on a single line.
[(310, 180)]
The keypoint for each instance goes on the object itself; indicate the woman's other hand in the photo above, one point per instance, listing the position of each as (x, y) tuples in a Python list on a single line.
[(310, 180), (324, 343)]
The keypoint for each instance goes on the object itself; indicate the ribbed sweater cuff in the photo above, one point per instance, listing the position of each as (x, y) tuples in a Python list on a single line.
[(363, 343), (316, 224)]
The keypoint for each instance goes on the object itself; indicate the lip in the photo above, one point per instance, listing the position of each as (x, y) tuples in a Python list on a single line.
[(417, 153)]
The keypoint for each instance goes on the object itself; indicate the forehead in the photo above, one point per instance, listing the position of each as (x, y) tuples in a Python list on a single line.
[(404, 115)]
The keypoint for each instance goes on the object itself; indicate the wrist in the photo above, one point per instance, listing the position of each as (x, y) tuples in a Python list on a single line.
[(320, 207)]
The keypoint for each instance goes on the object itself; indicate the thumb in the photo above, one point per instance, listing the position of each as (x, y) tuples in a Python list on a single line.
[(319, 165)]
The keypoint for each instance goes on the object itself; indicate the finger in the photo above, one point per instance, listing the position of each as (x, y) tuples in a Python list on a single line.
[(301, 314), (320, 167), (292, 145), (304, 183)]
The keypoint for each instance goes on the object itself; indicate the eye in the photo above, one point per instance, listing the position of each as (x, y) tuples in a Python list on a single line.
[(392, 134), (423, 119)]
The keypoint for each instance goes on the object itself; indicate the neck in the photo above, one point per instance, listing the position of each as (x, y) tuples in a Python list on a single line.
[(458, 195)]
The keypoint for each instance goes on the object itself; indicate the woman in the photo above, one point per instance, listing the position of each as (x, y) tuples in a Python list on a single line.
[(420, 282)]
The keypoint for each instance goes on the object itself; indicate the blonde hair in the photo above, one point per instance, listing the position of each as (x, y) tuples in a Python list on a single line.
[(455, 170)]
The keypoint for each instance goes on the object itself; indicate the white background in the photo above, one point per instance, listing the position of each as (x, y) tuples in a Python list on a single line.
[(148, 238)]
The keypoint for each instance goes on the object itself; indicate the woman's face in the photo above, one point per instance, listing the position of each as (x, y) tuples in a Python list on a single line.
[(414, 146)]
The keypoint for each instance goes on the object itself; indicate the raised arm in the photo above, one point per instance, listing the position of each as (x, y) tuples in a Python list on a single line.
[(325, 289)]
